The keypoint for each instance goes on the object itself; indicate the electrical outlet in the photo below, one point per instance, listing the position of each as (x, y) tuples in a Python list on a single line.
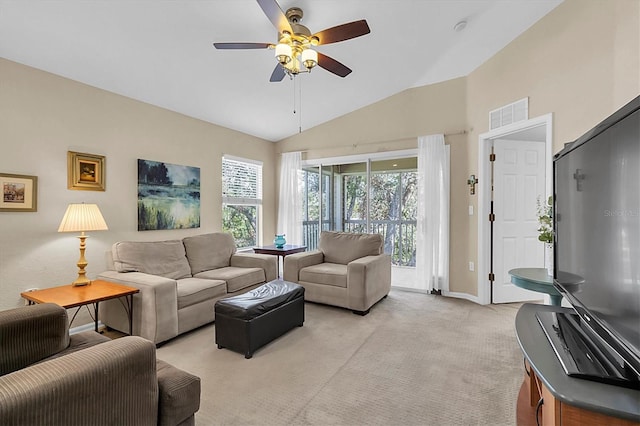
[(472, 266), (471, 210)]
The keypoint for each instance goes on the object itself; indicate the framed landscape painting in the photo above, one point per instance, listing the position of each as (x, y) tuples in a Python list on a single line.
[(168, 196), (19, 193), (85, 172)]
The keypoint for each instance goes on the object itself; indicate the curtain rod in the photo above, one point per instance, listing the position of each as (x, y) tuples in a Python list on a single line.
[(355, 145)]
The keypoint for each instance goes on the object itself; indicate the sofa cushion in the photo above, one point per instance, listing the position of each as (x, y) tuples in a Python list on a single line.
[(196, 290), (209, 251), (163, 258), (236, 278), (80, 341), (334, 274), (344, 247)]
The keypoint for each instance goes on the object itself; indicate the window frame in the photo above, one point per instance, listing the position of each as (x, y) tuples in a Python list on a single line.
[(253, 196)]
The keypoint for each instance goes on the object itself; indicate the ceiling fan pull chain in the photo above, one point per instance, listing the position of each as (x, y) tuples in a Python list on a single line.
[(300, 106), (294, 95)]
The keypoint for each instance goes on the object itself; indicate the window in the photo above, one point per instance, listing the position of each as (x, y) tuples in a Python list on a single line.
[(241, 199)]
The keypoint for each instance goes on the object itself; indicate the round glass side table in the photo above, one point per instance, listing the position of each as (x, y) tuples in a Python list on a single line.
[(536, 279)]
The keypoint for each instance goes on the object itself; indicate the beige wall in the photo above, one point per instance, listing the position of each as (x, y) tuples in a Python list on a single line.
[(395, 124), (580, 62), (391, 124), (42, 116)]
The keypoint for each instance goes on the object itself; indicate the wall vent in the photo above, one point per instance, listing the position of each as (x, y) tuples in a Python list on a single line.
[(508, 114)]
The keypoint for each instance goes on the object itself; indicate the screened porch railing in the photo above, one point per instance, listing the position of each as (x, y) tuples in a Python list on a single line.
[(399, 236)]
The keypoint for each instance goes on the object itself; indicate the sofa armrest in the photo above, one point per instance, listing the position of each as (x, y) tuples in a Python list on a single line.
[(31, 333), (254, 260), (368, 280), (179, 395), (295, 262), (111, 383), (155, 308)]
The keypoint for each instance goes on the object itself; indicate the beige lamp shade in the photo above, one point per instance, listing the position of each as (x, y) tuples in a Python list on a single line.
[(82, 217)]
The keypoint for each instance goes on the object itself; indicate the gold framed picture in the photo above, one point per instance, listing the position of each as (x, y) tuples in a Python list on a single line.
[(85, 172), (19, 193)]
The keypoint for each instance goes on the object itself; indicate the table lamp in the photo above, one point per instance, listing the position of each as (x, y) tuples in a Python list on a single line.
[(81, 218)]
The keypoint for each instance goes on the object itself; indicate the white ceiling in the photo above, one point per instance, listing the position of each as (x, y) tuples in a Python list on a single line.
[(161, 52)]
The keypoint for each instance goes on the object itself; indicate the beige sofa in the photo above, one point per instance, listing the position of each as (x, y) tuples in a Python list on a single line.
[(48, 377), (179, 282), (348, 270)]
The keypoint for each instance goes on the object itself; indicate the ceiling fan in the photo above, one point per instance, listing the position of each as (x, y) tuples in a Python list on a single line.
[(294, 50)]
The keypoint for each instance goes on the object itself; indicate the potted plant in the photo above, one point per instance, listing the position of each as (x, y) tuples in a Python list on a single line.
[(545, 220)]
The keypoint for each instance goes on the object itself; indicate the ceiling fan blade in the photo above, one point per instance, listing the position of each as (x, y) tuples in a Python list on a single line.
[(277, 74), (275, 15), (343, 32), (242, 45), (333, 66)]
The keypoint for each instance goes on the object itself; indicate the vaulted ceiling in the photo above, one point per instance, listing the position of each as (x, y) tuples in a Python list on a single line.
[(161, 52)]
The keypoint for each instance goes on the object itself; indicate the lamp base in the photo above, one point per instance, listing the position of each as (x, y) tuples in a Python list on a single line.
[(81, 281), (82, 263)]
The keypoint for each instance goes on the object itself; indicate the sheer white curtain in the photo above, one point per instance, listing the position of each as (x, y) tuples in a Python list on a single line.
[(290, 201), (432, 251)]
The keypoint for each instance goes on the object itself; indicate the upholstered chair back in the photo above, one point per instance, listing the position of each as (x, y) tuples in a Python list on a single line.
[(30, 334), (345, 247)]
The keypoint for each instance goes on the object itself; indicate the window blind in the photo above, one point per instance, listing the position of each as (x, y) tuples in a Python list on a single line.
[(241, 181)]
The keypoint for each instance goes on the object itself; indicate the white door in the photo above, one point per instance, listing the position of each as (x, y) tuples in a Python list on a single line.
[(519, 179)]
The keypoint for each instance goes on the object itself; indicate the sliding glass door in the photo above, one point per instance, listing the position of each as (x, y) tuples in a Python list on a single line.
[(317, 184), (372, 196), (393, 208)]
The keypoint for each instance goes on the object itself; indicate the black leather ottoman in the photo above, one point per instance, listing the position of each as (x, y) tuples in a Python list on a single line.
[(249, 321)]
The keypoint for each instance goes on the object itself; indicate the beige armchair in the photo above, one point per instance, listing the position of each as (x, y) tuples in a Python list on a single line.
[(348, 270)]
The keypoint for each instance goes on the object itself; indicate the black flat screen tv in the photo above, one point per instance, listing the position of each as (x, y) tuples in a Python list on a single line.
[(597, 250)]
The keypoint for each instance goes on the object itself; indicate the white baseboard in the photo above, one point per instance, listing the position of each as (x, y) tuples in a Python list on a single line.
[(86, 327), (445, 293), (454, 294), (466, 296), (410, 289)]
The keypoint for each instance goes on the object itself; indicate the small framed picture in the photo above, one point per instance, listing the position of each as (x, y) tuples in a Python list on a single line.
[(85, 172), (19, 193)]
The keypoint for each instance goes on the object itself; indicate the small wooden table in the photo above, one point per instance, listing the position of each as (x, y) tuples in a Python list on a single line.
[(69, 296), (536, 279), (280, 252)]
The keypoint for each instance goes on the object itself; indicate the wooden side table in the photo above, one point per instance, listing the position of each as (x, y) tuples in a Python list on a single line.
[(280, 252), (69, 296)]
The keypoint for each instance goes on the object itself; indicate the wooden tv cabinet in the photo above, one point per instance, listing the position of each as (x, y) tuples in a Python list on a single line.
[(549, 397)]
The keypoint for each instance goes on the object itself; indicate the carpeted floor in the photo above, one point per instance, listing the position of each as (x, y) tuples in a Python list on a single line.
[(416, 359)]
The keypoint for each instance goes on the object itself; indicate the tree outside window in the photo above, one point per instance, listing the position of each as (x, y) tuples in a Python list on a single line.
[(241, 199), (392, 199)]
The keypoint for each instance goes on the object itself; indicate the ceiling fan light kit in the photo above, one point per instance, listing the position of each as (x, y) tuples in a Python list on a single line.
[(294, 51), (309, 58), (283, 53)]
